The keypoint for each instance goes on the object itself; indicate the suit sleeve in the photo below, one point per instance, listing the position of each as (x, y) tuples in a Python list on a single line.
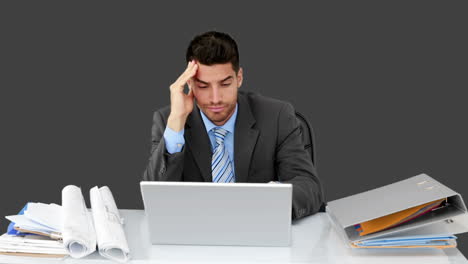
[(162, 166), (294, 165)]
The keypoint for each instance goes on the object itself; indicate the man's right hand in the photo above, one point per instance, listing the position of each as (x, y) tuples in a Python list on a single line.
[(181, 103)]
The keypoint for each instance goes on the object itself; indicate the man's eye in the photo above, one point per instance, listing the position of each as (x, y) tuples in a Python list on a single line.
[(226, 84), (202, 86)]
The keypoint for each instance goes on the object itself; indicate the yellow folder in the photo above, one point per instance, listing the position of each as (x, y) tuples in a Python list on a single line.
[(397, 218)]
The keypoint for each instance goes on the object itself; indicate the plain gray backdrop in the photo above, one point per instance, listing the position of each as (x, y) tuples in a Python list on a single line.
[(383, 84)]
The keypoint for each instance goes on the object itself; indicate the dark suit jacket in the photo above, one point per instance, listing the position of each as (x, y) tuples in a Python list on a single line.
[(267, 147)]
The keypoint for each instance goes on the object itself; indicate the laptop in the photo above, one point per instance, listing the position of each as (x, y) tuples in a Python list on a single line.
[(204, 213)]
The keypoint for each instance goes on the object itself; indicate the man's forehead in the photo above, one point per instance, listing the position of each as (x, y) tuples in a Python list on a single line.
[(222, 80), (214, 73)]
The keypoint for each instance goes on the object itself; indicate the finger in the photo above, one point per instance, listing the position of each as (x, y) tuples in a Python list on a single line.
[(191, 74), (189, 65), (184, 81), (190, 92), (187, 74), (190, 71), (194, 70), (190, 82)]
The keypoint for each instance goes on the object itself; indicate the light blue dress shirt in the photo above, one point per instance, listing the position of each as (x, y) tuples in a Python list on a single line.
[(175, 140)]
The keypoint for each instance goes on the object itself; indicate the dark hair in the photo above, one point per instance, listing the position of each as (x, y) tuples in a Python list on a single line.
[(214, 48)]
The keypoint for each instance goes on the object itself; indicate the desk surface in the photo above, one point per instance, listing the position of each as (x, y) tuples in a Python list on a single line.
[(313, 241)]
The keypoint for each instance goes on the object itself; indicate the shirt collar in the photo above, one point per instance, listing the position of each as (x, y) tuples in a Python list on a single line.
[(229, 125)]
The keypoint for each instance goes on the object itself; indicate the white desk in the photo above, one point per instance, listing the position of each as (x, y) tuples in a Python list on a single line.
[(313, 241)]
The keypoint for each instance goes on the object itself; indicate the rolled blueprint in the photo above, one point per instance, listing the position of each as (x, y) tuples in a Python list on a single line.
[(79, 237), (111, 239)]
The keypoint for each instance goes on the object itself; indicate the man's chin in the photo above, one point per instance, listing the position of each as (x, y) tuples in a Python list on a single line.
[(217, 117)]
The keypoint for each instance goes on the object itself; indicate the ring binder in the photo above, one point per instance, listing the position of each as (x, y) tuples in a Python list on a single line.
[(392, 200)]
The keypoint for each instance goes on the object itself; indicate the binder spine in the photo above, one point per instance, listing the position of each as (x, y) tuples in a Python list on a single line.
[(338, 228)]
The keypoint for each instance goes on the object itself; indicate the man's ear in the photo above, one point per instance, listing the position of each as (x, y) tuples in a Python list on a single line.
[(240, 77)]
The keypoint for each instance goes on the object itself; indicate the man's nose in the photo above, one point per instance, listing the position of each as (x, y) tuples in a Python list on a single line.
[(216, 95)]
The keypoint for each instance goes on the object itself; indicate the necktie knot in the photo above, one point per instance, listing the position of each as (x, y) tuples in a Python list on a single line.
[(220, 134)]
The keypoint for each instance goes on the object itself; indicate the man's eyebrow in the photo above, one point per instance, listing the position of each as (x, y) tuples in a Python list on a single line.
[(223, 80), (198, 80), (227, 78)]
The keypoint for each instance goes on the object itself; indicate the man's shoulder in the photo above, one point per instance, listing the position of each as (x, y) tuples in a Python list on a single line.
[(270, 114), (163, 112), (261, 103)]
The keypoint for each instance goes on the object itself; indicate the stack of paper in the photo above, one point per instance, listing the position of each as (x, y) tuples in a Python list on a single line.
[(398, 218), (433, 241), (31, 245), (395, 219), (40, 220), (51, 230)]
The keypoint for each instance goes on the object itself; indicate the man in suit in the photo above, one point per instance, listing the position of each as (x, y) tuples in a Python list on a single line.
[(216, 133)]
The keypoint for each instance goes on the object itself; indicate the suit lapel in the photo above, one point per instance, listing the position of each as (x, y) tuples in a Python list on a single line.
[(199, 142), (245, 138)]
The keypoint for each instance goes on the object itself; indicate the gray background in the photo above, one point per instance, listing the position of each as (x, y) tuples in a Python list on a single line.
[(383, 84)]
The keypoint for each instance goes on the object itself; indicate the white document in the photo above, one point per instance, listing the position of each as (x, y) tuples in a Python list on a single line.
[(111, 239), (30, 244), (39, 217), (23, 222), (46, 214), (79, 237)]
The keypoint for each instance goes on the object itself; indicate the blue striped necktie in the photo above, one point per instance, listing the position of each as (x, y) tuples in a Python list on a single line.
[(221, 167)]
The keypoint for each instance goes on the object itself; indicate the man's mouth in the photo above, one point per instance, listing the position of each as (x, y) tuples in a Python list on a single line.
[(216, 109)]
